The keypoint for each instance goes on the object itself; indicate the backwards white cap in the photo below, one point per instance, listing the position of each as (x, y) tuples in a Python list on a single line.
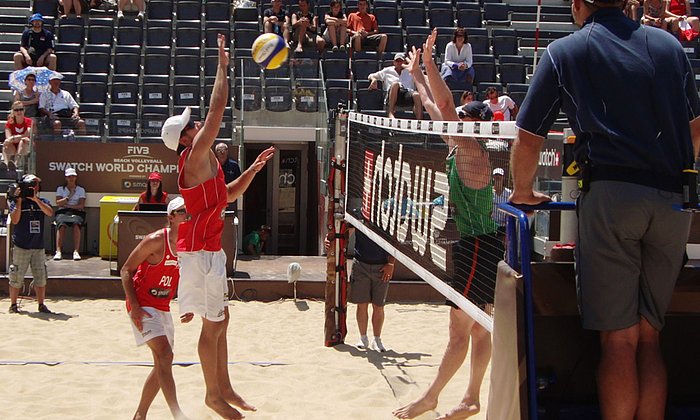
[(172, 127), (175, 204)]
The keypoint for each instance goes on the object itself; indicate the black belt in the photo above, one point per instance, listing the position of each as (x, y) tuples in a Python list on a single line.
[(637, 176)]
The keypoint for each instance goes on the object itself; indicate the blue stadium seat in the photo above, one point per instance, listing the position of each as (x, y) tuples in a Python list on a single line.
[(386, 16), (159, 36), (127, 63), (416, 35), (278, 95), (394, 41), (512, 69), (496, 14), (479, 40), (186, 95), (92, 92), (504, 41), (468, 15), (155, 94), (363, 67), (124, 93), (160, 10), (412, 15), (440, 14), (369, 99), (306, 94), (338, 92), (129, 35), (189, 10), (249, 14), (188, 36), (157, 64), (100, 35), (96, 62), (517, 92), (305, 64), (71, 34), (484, 68), (67, 61), (219, 11), (248, 94)]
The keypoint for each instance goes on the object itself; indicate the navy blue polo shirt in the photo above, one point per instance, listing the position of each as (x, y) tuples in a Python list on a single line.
[(41, 41), (628, 92), (367, 251), (29, 232)]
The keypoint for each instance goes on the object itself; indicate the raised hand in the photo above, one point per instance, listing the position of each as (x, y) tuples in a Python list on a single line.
[(428, 47), (413, 61), (262, 159), (223, 55)]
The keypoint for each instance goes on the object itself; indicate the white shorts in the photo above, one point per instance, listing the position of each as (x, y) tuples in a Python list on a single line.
[(160, 323), (202, 289)]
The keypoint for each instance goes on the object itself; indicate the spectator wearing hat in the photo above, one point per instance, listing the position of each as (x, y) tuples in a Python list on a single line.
[(27, 215), (500, 195), (58, 107), (254, 242), (37, 46), (457, 70), (398, 86), (70, 199), (29, 96), (154, 193), (18, 131), (364, 30), (502, 103)]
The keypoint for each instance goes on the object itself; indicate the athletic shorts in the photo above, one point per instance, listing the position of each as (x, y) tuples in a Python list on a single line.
[(22, 259), (160, 323), (366, 284), (628, 255), (203, 289), (475, 266), (403, 98), (371, 41)]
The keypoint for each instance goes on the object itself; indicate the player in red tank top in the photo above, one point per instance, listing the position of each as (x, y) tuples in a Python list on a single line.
[(150, 276), (202, 263)]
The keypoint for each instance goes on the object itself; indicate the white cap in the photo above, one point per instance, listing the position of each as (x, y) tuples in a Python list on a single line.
[(56, 76), (172, 127), (499, 171), (175, 204), (70, 172), (30, 178)]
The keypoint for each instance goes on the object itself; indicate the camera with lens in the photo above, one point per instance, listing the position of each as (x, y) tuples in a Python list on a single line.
[(26, 190)]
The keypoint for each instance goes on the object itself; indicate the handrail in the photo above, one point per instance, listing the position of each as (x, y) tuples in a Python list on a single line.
[(517, 213)]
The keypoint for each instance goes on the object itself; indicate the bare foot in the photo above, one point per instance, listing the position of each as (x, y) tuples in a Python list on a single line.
[(299, 49), (462, 411), (235, 399), (415, 408), (223, 409)]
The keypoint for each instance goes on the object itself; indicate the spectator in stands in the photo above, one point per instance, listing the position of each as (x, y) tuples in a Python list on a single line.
[(254, 242), (131, 6), (655, 14), (58, 107), (364, 30), (29, 96), (154, 193), (478, 251), (502, 103), (305, 28), (36, 47), (275, 20), (18, 132), (679, 10), (230, 167), (630, 9), (336, 26), (67, 5), (27, 215), (467, 96), (500, 195), (399, 87), (70, 199), (457, 70)]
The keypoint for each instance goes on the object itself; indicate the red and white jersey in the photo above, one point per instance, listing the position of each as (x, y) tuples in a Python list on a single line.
[(206, 204), (155, 285)]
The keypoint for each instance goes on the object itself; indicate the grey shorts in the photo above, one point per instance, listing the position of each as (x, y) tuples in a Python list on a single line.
[(22, 259), (366, 284), (371, 41), (629, 254)]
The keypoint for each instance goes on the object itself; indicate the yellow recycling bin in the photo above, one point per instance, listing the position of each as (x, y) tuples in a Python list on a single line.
[(109, 206)]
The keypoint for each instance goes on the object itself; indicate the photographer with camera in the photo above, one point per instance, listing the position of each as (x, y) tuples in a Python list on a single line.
[(27, 212)]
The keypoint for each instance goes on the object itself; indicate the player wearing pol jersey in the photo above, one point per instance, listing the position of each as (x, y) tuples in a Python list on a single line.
[(202, 288), (150, 276)]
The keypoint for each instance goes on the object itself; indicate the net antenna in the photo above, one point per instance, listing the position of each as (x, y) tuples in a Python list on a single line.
[(424, 212)]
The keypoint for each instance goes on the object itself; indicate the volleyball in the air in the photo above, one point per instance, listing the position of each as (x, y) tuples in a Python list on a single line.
[(270, 51)]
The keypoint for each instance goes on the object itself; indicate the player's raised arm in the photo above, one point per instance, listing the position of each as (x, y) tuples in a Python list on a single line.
[(204, 140), (413, 66), (441, 93)]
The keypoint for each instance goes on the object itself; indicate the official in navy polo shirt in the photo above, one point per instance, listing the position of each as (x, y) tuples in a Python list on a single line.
[(629, 94)]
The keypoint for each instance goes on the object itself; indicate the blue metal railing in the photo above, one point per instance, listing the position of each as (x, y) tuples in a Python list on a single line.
[(521, 236)]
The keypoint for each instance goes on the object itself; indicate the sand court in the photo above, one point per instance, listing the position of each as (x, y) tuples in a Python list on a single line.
[(82, 363)]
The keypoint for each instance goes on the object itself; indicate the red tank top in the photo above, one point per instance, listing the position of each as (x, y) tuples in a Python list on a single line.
[(206, 204), (163, 198), (677, 7), (155, 285)]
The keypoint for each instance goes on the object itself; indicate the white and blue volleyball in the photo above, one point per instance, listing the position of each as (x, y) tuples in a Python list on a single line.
[(270, 51)]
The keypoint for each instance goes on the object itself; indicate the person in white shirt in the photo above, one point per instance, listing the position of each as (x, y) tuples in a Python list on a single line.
[(501, 103), (58, 107), (457, 70), (500, 195), (70, 199), (399, 87)]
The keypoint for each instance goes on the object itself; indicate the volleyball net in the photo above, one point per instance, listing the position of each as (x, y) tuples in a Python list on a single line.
[(433, 205)]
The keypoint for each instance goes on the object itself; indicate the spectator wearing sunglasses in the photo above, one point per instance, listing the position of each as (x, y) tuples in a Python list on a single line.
[(18, 130), (29, 96)]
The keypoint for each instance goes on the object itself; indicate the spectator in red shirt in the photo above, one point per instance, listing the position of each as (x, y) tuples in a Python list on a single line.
[(18, 130), (679, 10), (154, 193), (364, 31)]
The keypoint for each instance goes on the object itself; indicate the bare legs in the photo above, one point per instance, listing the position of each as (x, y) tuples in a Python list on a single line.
[(213, 353), (362, 316), (160, 378), (631, 373), (62, 233), (462, 328)]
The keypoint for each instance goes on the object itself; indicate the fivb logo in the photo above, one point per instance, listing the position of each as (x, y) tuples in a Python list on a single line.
[(138, 150)]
